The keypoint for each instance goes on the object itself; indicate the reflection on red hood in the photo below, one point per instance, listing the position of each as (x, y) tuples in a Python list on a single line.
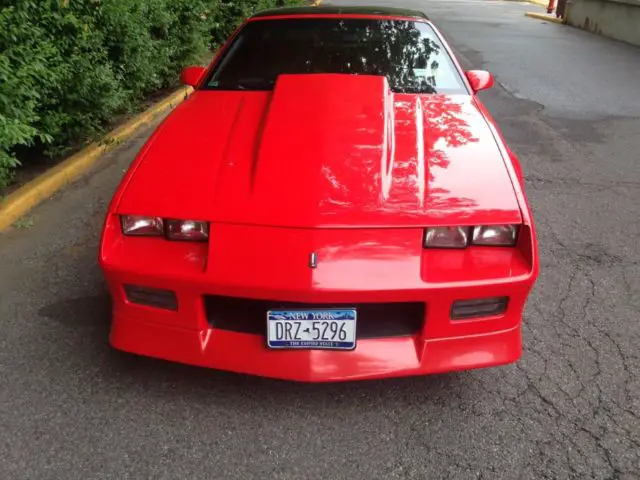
[(324, 151)]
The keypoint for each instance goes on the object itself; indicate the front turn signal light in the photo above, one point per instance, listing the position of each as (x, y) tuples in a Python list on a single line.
[(151, 297), (479, 307)]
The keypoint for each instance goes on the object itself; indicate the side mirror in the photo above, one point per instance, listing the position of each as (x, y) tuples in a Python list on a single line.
[(191, 76), (479, 80)]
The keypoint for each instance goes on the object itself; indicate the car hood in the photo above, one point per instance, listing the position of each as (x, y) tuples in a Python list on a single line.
[(324, 151)]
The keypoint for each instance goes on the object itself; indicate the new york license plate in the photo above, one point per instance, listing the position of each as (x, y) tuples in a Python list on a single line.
[(312, 329)]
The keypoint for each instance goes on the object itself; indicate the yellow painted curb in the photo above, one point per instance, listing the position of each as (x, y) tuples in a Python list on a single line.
[(542, 3), (33, 193), (545, 17)]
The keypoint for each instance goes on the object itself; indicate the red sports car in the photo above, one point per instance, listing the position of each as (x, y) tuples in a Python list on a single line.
[(332, 202)]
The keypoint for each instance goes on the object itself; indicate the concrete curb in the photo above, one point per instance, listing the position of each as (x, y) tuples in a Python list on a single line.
[(33, 193), (545, 17)]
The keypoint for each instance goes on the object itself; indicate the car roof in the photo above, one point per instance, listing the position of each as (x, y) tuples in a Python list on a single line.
[(341, 10)]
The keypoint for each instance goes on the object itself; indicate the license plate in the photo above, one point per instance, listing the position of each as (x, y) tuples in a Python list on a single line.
[(312, 329)]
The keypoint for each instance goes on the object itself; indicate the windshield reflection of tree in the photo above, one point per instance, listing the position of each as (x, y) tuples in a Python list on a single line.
[(394, 49)]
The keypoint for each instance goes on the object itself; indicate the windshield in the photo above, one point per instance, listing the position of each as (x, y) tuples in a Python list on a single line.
[(408, 53)]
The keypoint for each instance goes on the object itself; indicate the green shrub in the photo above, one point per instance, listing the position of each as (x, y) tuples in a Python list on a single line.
[(68, 66)]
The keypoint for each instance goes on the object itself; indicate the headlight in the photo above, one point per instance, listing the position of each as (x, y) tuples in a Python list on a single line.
[(446, 237), (495, 235), (141, 226), (187, 230), (462, 237)]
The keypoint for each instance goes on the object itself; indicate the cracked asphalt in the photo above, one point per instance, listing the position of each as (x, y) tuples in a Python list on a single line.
[(568, 103)]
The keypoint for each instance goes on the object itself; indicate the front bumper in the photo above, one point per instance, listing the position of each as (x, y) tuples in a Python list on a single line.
[(373, 358), (382, 269)]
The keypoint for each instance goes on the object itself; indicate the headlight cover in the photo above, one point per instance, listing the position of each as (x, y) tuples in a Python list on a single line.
[(446, 237), (138, 225), (495, 235), (190, 230)]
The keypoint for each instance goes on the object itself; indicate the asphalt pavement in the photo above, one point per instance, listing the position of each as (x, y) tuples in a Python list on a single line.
[(568, 103)]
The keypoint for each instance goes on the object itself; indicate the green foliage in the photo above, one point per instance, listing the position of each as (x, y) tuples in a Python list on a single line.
[(67, 66)]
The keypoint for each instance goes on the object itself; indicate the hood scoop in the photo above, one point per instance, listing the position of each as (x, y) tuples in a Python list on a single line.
[(324, 147)]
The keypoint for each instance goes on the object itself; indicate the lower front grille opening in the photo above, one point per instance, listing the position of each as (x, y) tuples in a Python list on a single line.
[(374, 320)]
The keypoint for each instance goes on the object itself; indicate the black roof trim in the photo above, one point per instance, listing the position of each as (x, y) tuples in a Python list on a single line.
[(337, 10)]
